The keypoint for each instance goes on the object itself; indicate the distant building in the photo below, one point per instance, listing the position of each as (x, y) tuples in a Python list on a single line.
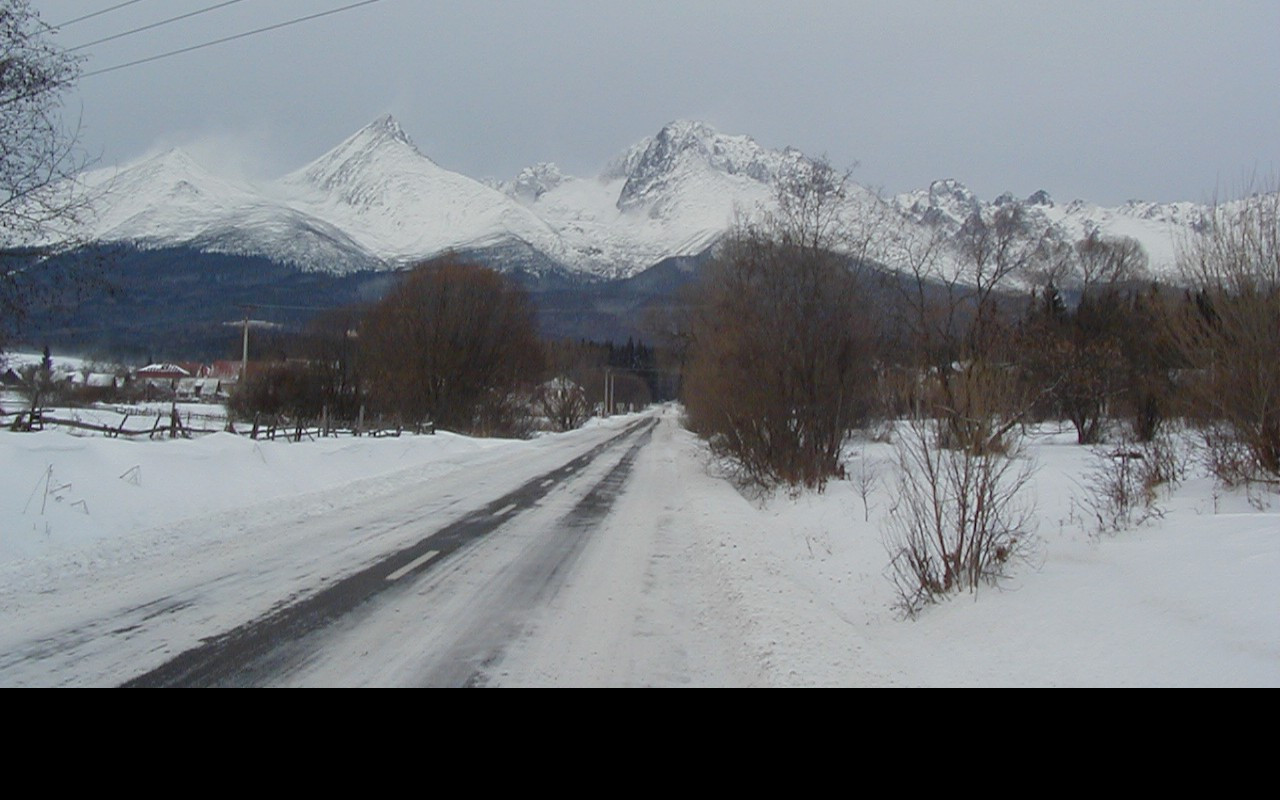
[(163, 372), (200, 389)]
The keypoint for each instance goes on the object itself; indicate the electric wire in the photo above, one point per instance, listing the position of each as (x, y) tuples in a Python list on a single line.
[(71, 22), (162, 22), (225, 39)]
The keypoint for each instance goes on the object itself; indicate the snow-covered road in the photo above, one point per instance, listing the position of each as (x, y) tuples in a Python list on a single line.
[(577, 589), (491, 572)]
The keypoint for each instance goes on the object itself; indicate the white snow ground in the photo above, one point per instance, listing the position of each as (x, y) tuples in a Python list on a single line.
[(685, 583)]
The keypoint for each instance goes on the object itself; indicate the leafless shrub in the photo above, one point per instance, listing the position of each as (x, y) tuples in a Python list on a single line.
[(1230, 335), (960, 519), (979, 405), (1117, 496), (563, 403), (1167, 459), (1227, 456), (505, 412), (1124, 485), (296, 389)]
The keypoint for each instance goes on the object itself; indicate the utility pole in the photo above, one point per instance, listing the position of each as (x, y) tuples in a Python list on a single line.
[(244, 354)]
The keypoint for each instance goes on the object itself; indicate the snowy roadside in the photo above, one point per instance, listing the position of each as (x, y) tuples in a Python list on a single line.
[(1186, 599)]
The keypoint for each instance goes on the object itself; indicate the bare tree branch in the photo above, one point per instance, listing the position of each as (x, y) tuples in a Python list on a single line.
[(41, 202)]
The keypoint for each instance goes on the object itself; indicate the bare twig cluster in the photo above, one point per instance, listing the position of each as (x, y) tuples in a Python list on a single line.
[(959, 520), (1230, 336)]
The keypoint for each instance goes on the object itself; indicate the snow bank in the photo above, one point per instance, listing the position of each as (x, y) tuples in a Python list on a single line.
[(64, 492), (1188, 598)]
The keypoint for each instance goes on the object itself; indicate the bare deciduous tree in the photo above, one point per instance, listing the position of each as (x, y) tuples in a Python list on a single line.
[(1231, 332), (959, 517), (950, 292), (456, 344), (40, 201), (1107, 263), (780, 366)]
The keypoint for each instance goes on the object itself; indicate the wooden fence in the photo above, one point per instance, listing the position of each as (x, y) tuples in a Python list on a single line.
[(269, 427)]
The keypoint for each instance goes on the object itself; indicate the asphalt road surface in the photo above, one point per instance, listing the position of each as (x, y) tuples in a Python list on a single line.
[(587, 559), (292, 638)]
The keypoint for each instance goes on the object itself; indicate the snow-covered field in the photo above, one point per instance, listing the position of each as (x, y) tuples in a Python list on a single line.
[(791, 591)]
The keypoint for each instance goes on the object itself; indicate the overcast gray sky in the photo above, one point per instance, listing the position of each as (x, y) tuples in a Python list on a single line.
[(1104, 101)]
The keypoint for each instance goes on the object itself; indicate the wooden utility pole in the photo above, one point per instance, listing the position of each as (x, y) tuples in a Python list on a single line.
[(244, 354)]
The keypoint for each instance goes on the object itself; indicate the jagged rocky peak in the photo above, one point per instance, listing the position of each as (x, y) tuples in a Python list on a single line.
[(688, 144), (1040, 198), (624, 165), (951, 192), (947, 202), (535, 181)]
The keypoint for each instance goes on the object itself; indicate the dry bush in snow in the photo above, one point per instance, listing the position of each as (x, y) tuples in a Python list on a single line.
[(1122, 489), (960, 519), (1230, 335), (562, 403)]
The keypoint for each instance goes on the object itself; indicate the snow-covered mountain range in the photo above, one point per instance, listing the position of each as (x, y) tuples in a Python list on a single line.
[(376, 202)]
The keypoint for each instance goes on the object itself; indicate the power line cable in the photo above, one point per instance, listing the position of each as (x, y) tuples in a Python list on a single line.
[(225, 39), (71, 22), (162, 22)]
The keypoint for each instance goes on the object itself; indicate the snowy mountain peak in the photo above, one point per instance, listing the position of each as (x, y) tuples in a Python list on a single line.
[(684, 147), (686, 134), (385, 128), (170, 167), (951, 192), (947, 203), (175, 159), (1040, 198), (402, 206), (155, 188), (379, 148), (376, 201)]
